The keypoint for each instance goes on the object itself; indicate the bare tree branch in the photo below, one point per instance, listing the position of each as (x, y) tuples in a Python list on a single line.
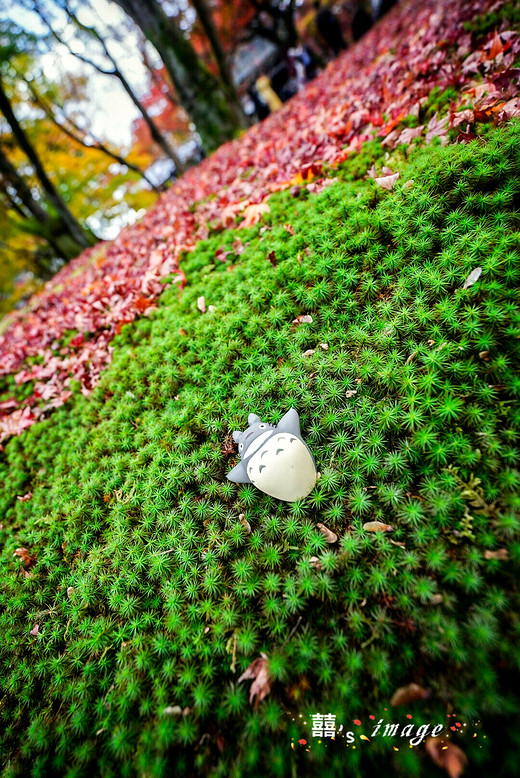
[(97, 144), (156, 134), (77, 232)]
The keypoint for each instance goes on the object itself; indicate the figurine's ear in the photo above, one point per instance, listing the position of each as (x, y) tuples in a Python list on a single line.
[(236, 435), (290, 423), (253, 419), (239, 474)]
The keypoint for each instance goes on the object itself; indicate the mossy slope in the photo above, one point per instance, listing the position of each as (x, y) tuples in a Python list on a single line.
[(147, 589)]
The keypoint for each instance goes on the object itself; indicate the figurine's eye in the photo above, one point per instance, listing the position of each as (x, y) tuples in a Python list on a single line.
[(241, 446), (262, 426)]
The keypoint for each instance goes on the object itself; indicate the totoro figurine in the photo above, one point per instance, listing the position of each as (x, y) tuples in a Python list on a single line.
[(275, 458)]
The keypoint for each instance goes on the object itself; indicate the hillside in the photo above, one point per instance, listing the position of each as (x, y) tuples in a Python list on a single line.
[(356, 257)]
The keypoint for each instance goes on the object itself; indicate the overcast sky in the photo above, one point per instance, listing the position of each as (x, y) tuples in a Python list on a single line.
[(112, 111)]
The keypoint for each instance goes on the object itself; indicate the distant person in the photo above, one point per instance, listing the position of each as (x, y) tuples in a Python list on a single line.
[(311, 62), (329, 28), (267, 93), (301, 65), (261, 108)]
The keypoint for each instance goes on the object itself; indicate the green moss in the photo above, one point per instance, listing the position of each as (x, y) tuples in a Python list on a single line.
[(438, 101), (505, 17), (152, 597)]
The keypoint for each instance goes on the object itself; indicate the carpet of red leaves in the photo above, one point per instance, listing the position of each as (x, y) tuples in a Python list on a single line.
[(419, 45)]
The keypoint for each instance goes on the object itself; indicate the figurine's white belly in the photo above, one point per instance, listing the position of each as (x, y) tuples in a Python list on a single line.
[(283, 467)]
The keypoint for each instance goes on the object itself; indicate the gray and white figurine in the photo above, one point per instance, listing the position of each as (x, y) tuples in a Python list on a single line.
[(275, 458)]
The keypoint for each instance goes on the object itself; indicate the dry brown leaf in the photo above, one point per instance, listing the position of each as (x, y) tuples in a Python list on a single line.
[(496, 48), (509, 110), (244, 522), (327, 533), (289, 228), (25, 557), (465, 116), (309, 352), (437, 128), (261, 686), (377, 526), (391, 139), (221, 254), (35, 629), (25, 497), (315, 562), (387, 182), (253, 214), (201, 304), (446, 755), (350, 393), (228, 446), (324, 346), (501, 553), (172, 710), (307, 319), (408, 694), (410, 133), (319, 186), (237, 246), (229, 213)]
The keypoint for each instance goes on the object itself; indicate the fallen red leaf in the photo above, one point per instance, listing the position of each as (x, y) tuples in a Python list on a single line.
[(25, 557), (408, 694), (253, 213), (25, 498), (261, 686), (496, 48)]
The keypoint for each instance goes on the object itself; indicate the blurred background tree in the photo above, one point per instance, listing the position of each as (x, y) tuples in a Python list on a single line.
[(60, 186), (103, 103)]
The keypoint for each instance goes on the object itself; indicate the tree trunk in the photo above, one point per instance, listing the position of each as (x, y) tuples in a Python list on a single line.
[(52, 229), (10, 174), (76, 231), (200, 93), (206, 20)]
